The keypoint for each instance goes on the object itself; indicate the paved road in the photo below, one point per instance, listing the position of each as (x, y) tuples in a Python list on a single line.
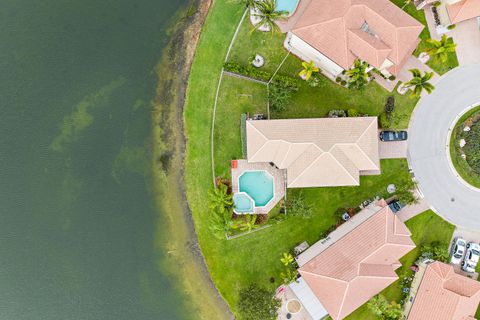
[(427, 152)]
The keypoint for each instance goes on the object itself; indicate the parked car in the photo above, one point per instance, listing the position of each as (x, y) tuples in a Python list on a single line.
[(395, 206), (458, 249), (393, 135), (471, 257)]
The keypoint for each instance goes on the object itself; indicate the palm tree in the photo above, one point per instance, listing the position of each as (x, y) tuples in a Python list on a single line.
[(419, 83), (358, 76), (406, 3), (308, 69), (250, 4), (439, 49), (220, 199), (265, 11), (221, 223), (247, 224), (287, 259)]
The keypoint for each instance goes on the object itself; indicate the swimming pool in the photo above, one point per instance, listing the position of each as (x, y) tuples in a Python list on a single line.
[(258, 185), (286, 5), (243, 203)]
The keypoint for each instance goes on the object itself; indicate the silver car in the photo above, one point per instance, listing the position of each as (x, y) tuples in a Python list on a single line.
[(458, 249)]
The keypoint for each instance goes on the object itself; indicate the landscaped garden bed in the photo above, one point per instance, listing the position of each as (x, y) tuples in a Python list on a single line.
[(465, 147)]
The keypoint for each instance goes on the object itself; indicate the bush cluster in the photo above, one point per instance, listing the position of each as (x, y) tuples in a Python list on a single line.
[(472, 147)]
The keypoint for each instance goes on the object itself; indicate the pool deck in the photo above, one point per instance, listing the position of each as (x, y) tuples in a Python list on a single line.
[(278, 178)]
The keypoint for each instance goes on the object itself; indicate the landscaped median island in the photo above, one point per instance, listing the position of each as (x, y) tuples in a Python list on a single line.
[(465, 147), (243, 233)]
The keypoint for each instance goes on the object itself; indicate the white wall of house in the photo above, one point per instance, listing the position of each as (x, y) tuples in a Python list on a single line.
[(306, 52)]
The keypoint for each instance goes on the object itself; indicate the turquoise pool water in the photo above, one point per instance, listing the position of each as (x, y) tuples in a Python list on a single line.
[(243, 203), (286, 5), (258, 185)]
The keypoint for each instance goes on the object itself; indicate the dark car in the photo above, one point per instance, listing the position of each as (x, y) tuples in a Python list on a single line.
[(393, 135), (395, 206)]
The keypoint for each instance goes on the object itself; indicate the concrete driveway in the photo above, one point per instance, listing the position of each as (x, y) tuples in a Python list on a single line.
[(467, 37), (427, 153)]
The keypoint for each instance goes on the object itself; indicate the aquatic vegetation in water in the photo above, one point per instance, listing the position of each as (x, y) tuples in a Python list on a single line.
[(80, 119)]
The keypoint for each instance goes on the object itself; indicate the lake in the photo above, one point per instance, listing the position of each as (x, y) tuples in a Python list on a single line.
[(78, 220)]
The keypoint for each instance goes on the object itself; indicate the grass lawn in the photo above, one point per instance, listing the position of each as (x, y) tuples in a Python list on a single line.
[(255, 258), (460, 164)]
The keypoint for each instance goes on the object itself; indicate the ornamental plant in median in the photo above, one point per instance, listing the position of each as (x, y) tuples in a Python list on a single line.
[(308, 69), (266, 12), (357, 75), (419, 83), (439, 49), (472, 146)]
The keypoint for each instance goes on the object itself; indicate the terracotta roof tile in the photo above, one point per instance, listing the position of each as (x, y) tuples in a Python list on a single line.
[(359, 265), (316, 152), (335, 29), (445, 295), (463, 10)]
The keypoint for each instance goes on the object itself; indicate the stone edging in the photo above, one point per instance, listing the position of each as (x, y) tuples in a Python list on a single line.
[(447, 147)]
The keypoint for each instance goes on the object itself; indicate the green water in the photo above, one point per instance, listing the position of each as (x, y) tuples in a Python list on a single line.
[(77, 218)]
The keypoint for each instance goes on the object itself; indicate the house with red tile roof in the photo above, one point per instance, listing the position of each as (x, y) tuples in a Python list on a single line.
[(444, 295), (334, 34), (356, 261), (451, 12)]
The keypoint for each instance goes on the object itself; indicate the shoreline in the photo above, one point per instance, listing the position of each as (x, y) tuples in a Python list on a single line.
[(168, 153)]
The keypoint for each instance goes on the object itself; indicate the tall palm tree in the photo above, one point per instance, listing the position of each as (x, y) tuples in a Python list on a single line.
[(439, 49), (265, 11), (220, 200), (358, 76), (419, 83), (308, 69)]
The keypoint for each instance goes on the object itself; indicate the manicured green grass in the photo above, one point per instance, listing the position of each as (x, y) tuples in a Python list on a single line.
[(461, 165), (237, 96), (255, 258), (438, 66)]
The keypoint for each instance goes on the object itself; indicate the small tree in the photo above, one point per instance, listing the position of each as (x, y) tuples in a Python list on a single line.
[(439, 49), (255, 303), (299, 207), (287, 259), (406, 192), (357, 75), (308, 69), (220, 199), (380, 306), (279, 96), (289, 275), (419, 83), (268, 15), (390, 105), (220, 224)]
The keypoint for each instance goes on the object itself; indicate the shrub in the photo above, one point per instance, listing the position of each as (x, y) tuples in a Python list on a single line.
[(384, 121), (343, 83), (390, 105), (437, 4), (279, 96), (317, 81), (299, 207), (337, 114), (380, 306), (451, 27), (338, 79), (255, 303), (392, 77), (472, 146), (353, 113)]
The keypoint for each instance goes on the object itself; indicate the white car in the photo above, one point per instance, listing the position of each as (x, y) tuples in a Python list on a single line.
[(458, 249), (471, 257)]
